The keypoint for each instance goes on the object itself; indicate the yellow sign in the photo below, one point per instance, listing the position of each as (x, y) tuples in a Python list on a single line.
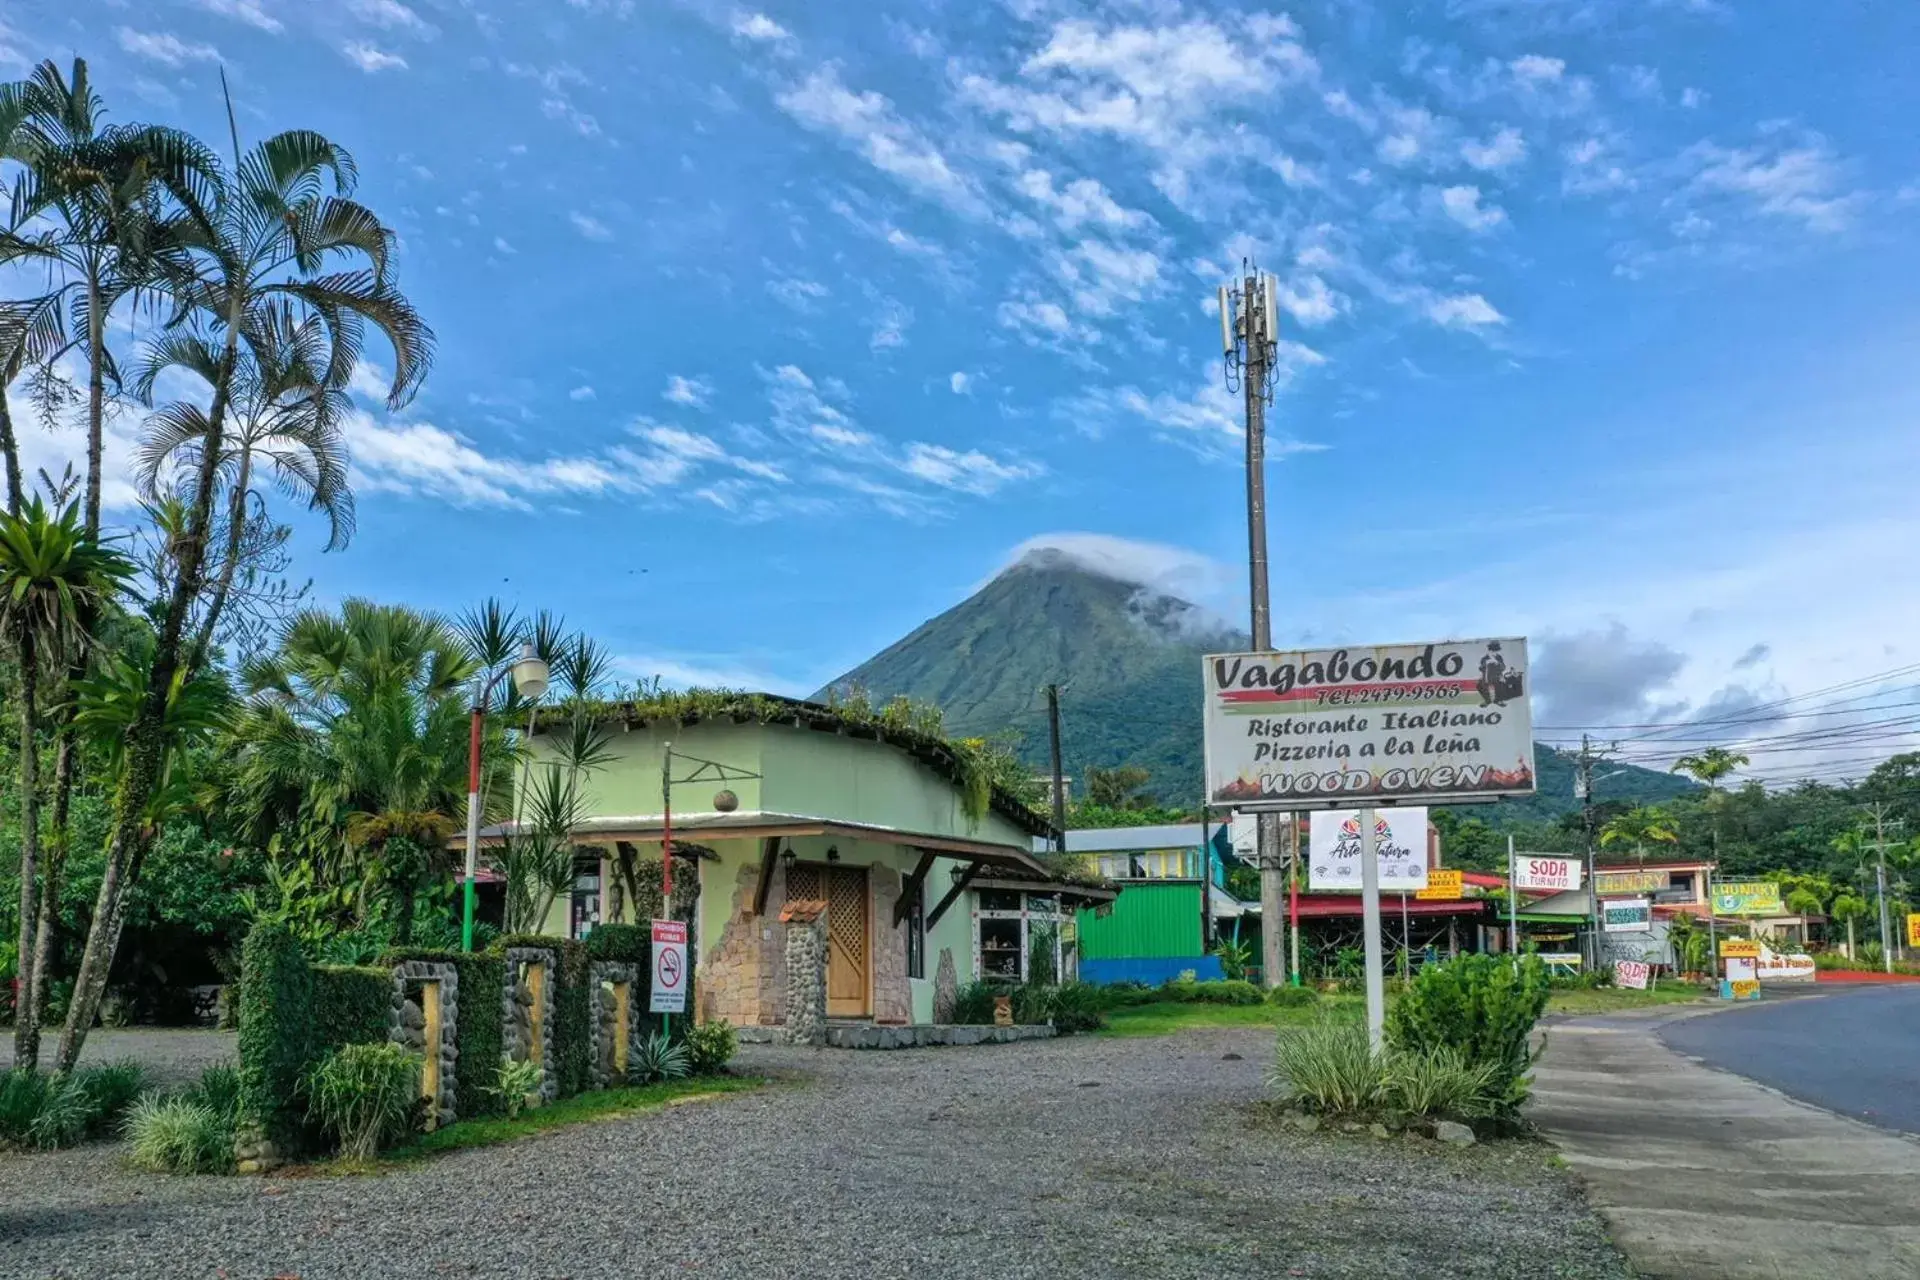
[(1627, 883), (1739, 949), (1913, 929), (1442, 885)]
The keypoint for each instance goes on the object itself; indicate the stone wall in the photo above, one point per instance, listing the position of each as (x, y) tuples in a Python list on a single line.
[(892, 997), (516, 1015), (946, 987), (806, 964), (602, 1028), (742, 978), (409, 1026)]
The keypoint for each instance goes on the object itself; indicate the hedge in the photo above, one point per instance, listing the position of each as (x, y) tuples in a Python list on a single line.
[(351, 1005), (477, 1031), (621, 943), (572, 1005), (276, 998)]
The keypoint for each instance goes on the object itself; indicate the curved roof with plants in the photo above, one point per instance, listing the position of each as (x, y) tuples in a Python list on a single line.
[(913, 728)]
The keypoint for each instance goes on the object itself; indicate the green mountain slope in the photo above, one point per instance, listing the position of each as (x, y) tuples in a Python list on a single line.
[(1128, 663)]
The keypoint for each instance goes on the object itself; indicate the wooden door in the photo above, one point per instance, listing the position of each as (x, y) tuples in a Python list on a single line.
[(847, 945)]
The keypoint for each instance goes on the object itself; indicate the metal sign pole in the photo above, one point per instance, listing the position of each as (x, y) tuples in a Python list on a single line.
[(1370, 928), (1513, 903)]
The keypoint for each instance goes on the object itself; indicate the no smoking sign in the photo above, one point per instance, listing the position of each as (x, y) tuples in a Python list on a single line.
[(669, 993)]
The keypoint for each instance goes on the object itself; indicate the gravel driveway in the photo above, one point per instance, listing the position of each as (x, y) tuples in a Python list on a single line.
[(1068, 1158), (171, 1056)]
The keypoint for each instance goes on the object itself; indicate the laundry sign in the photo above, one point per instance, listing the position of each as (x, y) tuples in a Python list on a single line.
[(1399, 843)]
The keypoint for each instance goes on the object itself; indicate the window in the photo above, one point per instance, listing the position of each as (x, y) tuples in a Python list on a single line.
[(917, 932), (586, 902), (1002, 956)]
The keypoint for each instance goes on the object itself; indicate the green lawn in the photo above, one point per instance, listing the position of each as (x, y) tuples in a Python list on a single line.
[(1616, 999), (1165, 1017), (584, 1108)]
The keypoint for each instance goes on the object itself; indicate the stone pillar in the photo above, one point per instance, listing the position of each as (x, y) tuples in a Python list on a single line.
[(436, 1039), (946, 988), (806, 965)]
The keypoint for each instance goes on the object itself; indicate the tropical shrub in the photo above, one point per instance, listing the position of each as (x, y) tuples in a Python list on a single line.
[(219, 1089), (1078, 1006), (1442, 1083), (658, 1059), (1293, 997), (973, 1004), (519, 1086), (1483, 1007), (1235, 955), (113, 1087), (1328, 1068), (1228, 991), (710, 1046), (365, 1095), (1032, 1003), (179, 1135)]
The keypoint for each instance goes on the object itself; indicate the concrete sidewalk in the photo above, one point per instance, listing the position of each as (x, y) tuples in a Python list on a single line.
[(1702, 1173)]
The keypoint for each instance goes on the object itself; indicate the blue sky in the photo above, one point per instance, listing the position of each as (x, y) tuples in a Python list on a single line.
[(767, 333)]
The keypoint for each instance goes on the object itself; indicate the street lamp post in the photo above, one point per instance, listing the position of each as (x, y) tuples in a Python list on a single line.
[(530, 677)]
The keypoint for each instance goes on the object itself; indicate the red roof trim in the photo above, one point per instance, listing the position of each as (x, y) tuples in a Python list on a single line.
[(1329, 905)]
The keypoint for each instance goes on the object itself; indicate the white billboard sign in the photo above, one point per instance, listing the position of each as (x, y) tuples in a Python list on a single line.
[(1397, 724), (1626, 915), (1538, 871), (1399, 841)]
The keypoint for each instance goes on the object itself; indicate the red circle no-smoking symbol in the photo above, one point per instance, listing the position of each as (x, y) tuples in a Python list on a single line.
[(669, 968)]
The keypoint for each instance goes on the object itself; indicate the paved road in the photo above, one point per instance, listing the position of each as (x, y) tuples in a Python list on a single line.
[(1705, 1175), (1115, 1159), (1856, 1052)]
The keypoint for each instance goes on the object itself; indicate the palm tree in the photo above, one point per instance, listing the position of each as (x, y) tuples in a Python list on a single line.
[(1850, 908), (267, 242), (1637, 827), (284, 414), (99, 204), (1710, 768), (53, 574)]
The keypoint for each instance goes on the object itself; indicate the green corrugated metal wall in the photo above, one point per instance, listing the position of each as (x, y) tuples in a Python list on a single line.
[(1148, 919)]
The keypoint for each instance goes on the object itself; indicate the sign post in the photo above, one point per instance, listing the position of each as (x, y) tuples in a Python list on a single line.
[(668, 995), (1370, 930), (1513, 907)]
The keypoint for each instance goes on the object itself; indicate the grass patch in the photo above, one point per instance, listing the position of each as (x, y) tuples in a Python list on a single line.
[(1616, 999), (584, 1108), (1166, 1017)]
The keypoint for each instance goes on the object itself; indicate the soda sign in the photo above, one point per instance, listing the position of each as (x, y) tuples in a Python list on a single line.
[(1557, 874), (1631, 973)]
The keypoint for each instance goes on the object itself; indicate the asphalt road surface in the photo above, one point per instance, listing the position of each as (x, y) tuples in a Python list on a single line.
[(1854, 1052)]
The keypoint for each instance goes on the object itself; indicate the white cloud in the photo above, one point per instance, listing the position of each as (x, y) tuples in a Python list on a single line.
[(248, 11), (961, 384), (1102, 275), (868, 123), (689, 392), (1532, 68), (1462, 204), (1041, 322), (589, 226), (1692, 98), (711, 671), (759, 27), (164, 47), (969, 472), (800, 295), (1506, 147), (1464, 311), (559, 108), (370, 59), (890, 326), (389, 15), (1309, 300), (580, 393), (1209, 419), (500, 245), (1593, 170), (1794, 177), (1176, 571), (1080, 202)]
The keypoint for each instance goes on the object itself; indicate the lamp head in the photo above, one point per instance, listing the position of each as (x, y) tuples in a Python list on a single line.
[(530, 674)]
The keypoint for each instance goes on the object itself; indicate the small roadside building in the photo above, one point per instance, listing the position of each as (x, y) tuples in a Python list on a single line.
[(1153, 932), (784, 812)]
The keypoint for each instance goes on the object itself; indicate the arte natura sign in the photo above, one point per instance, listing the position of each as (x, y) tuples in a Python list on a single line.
[(1396, 724), (1399, 843)]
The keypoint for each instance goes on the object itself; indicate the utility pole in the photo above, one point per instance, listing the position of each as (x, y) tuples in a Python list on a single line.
[(1059, 778), (1249, 338), (1583, 791), (1878, 810)]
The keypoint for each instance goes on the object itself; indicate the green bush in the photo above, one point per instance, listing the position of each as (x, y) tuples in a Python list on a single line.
[(973, 1004), (621, 943), (179, 1135), (276, 1002), (1078, 1006), (1293, 997), (710, 1046), (1033, 1004), (365, 1096), (477, 1028), (219, 1089), (1227, 991), (47, 1111), (519, 1086), (658, 1059), (351, 1005), (1482, 1007), (1442, 1083), (1329, 1068), (113, 1087)]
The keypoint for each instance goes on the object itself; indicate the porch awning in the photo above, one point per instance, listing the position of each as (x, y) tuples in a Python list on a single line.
[(706, 827)]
